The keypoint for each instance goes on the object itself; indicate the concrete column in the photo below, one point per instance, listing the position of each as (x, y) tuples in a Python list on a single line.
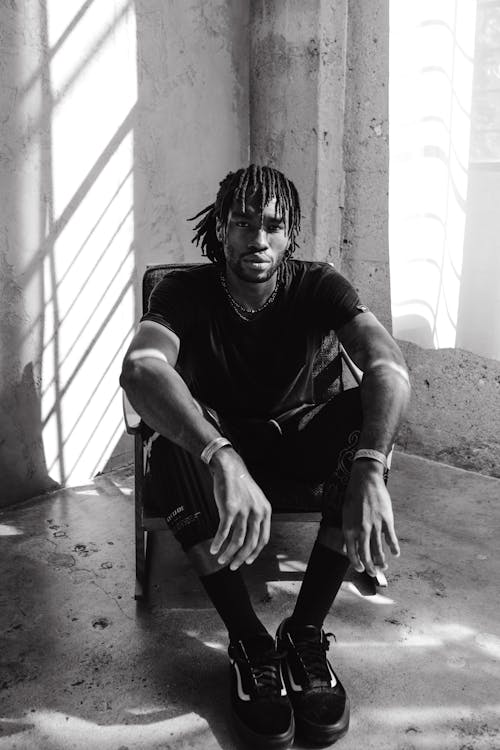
[(297, 76), (365, 246), (318, 111), (192, 118), (23, 209)]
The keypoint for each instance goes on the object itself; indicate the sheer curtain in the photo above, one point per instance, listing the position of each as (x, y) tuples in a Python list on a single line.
[(444, 202)]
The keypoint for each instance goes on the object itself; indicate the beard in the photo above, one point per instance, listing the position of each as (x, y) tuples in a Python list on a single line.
[(253, 275)]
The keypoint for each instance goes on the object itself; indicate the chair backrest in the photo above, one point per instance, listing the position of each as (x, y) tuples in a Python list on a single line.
[(327, 365)]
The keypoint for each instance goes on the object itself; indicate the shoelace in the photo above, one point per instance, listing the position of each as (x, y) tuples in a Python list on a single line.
[(311, 653), (264, 669)]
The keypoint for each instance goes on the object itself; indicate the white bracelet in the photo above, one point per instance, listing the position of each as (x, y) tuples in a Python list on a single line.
[(373, 455), (212, 447)]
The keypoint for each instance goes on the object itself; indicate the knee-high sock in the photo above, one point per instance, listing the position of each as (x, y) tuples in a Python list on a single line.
[(323, 577), (229, 595)]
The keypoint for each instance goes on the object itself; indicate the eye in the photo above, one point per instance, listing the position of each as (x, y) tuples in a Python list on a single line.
[(242, 223), (275, 227)]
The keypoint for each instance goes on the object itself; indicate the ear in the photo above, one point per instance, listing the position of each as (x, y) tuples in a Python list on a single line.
[(219, 230)]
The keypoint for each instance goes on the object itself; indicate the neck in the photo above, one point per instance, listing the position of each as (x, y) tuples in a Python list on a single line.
[(250, 294)]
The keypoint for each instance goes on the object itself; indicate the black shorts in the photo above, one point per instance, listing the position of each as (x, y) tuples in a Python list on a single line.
[(304, 462)]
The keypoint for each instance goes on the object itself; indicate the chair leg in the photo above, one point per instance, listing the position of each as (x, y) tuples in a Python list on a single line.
[(141, 566), (141, 540)]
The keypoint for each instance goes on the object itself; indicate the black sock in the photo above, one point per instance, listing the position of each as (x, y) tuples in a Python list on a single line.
[(323, 577), (229, 595)]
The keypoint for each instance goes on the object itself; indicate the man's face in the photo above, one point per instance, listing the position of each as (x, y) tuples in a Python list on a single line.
[(255, 242)]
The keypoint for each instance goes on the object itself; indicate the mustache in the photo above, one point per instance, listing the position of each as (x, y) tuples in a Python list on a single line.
[(254, 252)]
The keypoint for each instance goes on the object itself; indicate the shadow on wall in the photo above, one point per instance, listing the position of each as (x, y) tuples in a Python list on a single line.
[(82, 185), (67, 299)]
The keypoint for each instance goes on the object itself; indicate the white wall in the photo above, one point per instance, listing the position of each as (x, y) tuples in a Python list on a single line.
[(444, 174)]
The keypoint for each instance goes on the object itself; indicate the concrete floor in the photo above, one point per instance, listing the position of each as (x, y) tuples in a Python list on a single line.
[(83, 667)]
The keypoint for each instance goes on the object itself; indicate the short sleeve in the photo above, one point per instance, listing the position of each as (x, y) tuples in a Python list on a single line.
[(336, 301), (171, 305)]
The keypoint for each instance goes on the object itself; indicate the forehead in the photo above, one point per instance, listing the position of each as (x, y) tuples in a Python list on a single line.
[(252, 208)]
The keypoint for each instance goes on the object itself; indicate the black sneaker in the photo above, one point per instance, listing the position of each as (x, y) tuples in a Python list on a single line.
[(319, 701), (261, 709)]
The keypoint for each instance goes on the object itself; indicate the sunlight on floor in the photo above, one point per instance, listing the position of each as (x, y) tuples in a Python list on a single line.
[(63, 731), (434, 714), (145, 710), (292, 566), (435, 636), (372, 599), (214, 645), (489, 643), (6, 530)]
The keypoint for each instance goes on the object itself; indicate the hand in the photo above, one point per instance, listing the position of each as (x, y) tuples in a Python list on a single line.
[(367, 514), (244, 511)]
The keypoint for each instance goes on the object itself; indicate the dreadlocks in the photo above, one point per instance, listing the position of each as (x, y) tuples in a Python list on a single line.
[(266, 183)]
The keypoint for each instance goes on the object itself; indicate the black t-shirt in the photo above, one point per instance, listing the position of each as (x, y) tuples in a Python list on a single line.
[(260, 368)]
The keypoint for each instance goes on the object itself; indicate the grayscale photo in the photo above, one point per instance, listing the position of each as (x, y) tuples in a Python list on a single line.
[(249, 374)]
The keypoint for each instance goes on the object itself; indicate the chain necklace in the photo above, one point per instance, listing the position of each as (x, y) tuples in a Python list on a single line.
[(243, 312)]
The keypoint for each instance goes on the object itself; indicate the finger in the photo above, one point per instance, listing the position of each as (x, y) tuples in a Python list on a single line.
[(352, 551), (391, 538), (222, 533), (237, 540), (251, 541), (265, 532), (365, 554), (377, 548)]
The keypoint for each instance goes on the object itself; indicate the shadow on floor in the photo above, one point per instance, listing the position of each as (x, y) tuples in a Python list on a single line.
[(83, 667)]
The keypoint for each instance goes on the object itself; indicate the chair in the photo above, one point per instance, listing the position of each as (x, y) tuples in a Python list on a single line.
[(328, 380)]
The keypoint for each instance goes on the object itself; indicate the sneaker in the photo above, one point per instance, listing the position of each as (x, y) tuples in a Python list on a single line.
[(261, 709), (319, 701)]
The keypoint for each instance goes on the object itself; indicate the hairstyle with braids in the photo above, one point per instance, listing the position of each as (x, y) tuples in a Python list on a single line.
[(266, 183)]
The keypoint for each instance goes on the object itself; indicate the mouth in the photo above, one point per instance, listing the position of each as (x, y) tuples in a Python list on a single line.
[(256, 259)]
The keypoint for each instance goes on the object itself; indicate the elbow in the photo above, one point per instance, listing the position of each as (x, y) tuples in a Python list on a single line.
[(139, 373), (131, 374)]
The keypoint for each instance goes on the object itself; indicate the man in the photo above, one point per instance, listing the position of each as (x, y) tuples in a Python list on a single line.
[(221, 370)]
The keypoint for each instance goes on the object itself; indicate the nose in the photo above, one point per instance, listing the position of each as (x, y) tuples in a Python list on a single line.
[(259, 240)]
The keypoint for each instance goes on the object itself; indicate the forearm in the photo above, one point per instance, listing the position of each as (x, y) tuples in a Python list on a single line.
[(385, 387), (164, 402), (384, 396)]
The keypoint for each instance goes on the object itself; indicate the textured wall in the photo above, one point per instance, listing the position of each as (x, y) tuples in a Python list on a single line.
[(297, 76), (22, 134), (478, 320), (301, 86), (318, 96), (102, 159), (193, 117), (454, 414), (365, 248)]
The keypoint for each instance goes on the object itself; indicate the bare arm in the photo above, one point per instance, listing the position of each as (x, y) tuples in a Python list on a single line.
[(162, 399), (158, 393), (385, 386), (384, 395)]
